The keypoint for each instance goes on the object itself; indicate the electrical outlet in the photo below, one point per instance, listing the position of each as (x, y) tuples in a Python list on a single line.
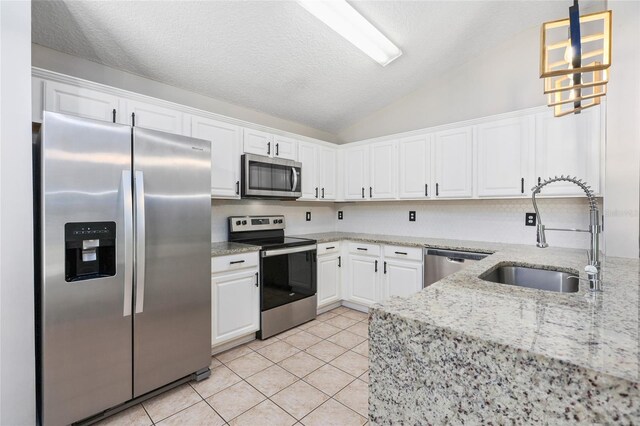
[(308, 216), (340, 217), (412, 216), (530, 219)]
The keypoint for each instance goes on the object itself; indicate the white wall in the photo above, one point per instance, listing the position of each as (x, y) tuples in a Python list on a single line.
[(43, 57), (322, 215), (501, 80), (477, 220), (622, 179), (17, 353)]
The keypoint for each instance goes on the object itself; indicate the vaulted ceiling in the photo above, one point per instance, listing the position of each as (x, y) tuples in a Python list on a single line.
[(275, 57)]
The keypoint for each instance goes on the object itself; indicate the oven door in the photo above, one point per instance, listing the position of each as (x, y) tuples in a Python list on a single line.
[(288, 275), (264, 177)]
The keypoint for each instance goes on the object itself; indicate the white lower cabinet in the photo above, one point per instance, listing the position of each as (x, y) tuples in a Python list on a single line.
[(401, 278), (329, 275), (363, 279), (235, 303)]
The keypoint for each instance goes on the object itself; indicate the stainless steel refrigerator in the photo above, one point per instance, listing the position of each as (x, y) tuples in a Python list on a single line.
[(122, 264)]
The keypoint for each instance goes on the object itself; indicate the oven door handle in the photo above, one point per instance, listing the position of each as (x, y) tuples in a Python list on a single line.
[(278, 252)]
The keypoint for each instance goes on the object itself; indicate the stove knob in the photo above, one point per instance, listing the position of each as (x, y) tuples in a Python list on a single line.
[(244, 222), (238, 222)]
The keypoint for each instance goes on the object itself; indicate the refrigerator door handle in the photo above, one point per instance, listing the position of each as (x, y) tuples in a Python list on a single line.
[(128, 241), (140, 241)]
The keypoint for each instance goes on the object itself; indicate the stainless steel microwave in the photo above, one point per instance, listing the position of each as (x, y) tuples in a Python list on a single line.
[(266, 177)]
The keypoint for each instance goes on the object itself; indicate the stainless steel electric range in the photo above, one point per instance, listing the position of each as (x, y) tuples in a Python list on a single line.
[(287, 272)]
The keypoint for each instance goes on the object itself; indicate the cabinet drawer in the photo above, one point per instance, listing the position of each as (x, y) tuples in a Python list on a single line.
[(399, 252), (328, 248), (234, 262), (364, 249)]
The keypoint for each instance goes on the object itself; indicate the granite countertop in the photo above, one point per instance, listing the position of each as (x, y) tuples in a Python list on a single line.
[(224, 248), (601, 333)]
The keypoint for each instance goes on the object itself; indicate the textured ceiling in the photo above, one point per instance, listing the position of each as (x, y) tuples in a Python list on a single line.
[(275, 57)]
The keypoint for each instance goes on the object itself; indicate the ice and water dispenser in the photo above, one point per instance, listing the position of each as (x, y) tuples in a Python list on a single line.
[(90, 250)]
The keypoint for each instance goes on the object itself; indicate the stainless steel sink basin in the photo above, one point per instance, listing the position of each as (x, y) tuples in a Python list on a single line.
[(541, 279)]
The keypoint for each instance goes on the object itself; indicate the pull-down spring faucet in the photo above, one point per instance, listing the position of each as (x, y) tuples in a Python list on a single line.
[(593, 269)]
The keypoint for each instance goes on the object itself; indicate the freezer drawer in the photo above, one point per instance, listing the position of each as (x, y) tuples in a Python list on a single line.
[(439, 264)]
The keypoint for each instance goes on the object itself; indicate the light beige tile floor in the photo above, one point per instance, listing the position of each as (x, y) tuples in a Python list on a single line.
[(314, 374)]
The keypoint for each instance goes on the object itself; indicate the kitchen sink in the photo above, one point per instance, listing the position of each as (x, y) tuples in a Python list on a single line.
[(541, 279)]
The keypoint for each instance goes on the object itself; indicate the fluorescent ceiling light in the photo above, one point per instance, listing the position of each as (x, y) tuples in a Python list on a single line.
[(346, 21)]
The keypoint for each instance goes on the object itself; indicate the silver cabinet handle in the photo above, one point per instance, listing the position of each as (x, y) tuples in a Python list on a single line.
[(295, 178), (128, 241), (140, 241)]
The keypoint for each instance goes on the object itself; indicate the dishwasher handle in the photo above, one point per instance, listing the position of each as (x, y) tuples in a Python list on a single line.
[(456, 256)]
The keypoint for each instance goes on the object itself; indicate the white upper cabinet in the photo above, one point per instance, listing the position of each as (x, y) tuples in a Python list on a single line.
[(356, 172), (226, 141), (308, 156), (318, 171), (154, 117), (257, 142), (454, 163), (505, 157), (285, 147), (263, 143), (327, 172), (383, 170), (81, 102), (568, 145), (415, 167)]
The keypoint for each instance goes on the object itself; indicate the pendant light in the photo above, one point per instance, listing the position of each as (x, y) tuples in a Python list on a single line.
[(575, 55)]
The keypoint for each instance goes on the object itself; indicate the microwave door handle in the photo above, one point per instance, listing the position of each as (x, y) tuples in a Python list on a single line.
[(295, 179)]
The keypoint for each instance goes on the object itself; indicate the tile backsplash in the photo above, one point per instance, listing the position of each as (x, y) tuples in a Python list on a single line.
[(478, 220), (323, 216)]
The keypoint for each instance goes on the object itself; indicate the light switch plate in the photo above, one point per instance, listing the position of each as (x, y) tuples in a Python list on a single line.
[(530, 219)]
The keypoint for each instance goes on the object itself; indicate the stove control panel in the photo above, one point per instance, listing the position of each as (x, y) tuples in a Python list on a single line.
[(255, 223)]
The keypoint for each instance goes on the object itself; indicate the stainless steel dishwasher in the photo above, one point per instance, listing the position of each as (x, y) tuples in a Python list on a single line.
[(441, 263)]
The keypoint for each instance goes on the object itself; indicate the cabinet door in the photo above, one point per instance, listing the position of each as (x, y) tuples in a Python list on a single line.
[(568, 145), (401, 278), (415, 167), (383, 170), (363, 279), (225, 154), (505, 152), (257, 142), (154, 117), (356, 173), (285, 147), (328, 279), (235, 305), (79, 101), (327, 172), (454, 163), (308, 156)]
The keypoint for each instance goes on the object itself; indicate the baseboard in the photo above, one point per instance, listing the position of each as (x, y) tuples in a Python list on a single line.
[(232, 343), (356, 306)]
